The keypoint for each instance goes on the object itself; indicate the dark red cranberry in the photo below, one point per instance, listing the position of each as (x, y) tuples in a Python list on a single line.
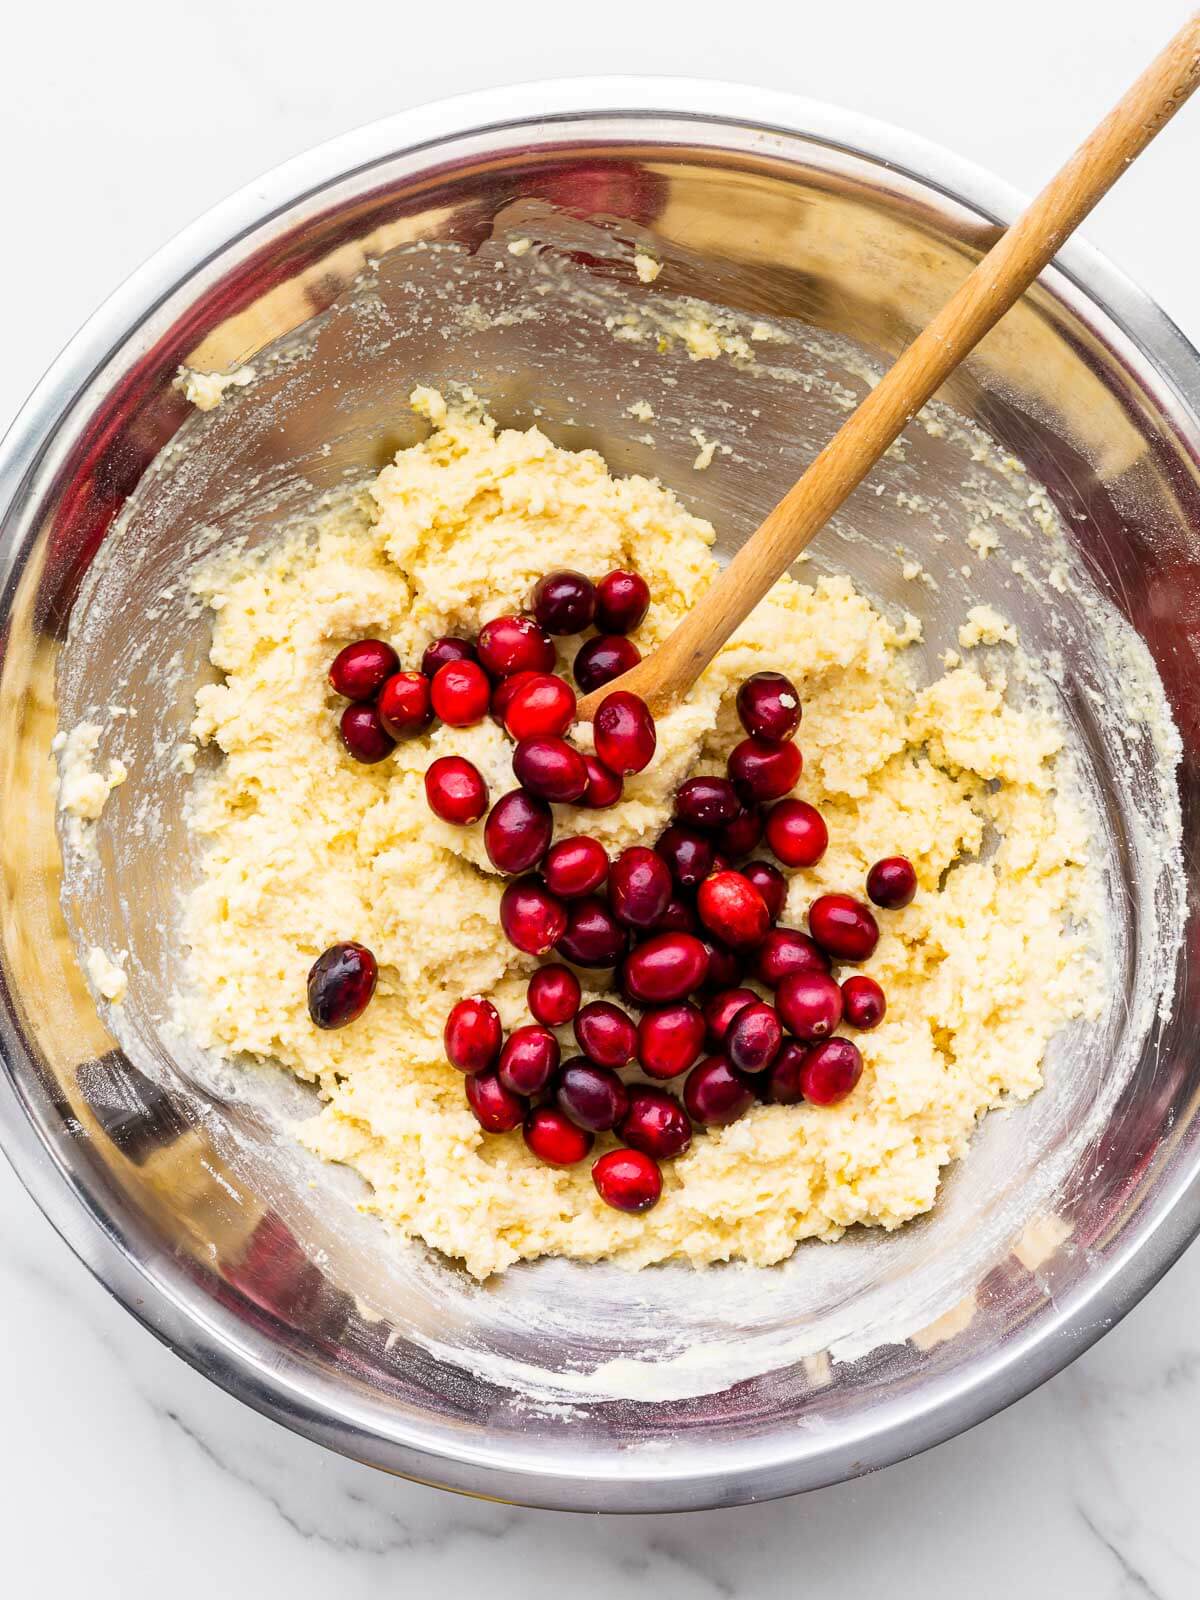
[(706, 802), (606, 1034), (639, 887), (575, 867), (689, 854), (602, 659), (553, 995), (341, 982), (542, 706), (770, 883), (830, 1071), (517, 832), (593, 1097), (864, 1004), (656, 1123), (670, 966), (762, 770), (783, 1080), (716, 1093), (404, 704), (551, 768), (361, 669), (473, 1034), (455, 790), (719, 1011), (670, 1039), (531, 917), (624, 732), (594, 937), (461, 693), (555, 1139), (514, 644), (892, 883), (810, 1004), (796, 832), (843, 927), (679, 916), (732, 908), (497, 1109), (739, 837), (627, 1180), (724, 968), (564, 602), (754, 1037), (787, 950), (622, 600), (440, 651), (528, 1060), (506, 691), (364, 735), (769, 706), (604, 788)]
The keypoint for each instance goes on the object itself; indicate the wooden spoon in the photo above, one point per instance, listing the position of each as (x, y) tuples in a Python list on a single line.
[(999, 280)]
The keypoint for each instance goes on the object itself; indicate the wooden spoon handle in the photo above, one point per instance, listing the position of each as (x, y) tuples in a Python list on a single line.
[(994, 285)]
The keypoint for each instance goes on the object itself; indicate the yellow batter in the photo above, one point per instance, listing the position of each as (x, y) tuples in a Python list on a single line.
[(306, 847)]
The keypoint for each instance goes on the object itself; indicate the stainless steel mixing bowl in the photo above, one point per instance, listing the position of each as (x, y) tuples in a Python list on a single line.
[(565, 1385)]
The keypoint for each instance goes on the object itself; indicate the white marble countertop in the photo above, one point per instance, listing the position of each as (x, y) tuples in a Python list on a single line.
[(124, 1474)]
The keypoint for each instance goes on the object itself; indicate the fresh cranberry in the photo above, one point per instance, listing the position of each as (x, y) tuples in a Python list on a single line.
[(555, 1139), (797, 833), (440, 651), (604, 788), (667, 967), (364, 735), (473, 1034), (721, 1008), (763, 770), (461, 693), (689, 854), (531, 917), (564, 602), (606, 1034), (627, 1180), (732, 908), (770, 883), (553, 995), (517, 832), (892, 883), (455, 790), (602, 659), (361, 669), (528, 1060), (724, 968), (622, 600), (706, 802), (575, 867), (593, 1097), (810, 1004), (769, 706), (594, 937), (639, 887), (624, 732), (831, 1069), (404, 704), (551, 768), (843, 927), (864, 1003), (497, 1109), (506, 690), (783, 1080), (656, 1123), (678, 916), (514, 644), (541, 706), (341, 982), (670, 1039), (739, 837), (754, 1037), (716, 1093), (787, 950)]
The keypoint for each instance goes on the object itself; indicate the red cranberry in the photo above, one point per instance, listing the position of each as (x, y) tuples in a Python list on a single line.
[(762, 770), (716, 1093), (497, 1109), (670, 1039), (627, 1180), (769, 706), (706, 802), (668, 967), (830, 1071), (528, 1060), (606, 1034), (892, 883), (575, 867), (810, 1004), (783, 1080), (864, 1004), (517, 831), (622, 600), (720, 1010), (531, 917), (455, 790), (679, 916), (361, 669), (739, 837), (754, 1037), (843, 927), (553, 995), (639, 887), (688, 854), (555, 1139), (514, 644), (551, 768), (724, 968), (541, 706), (624, 732), (732, 908), (656, 1123), (461, 693), (787, 950), (364, 735), (440, 651), (602, 659), (797, 833), (341, 982), (593, 1097), (404, 704), (506, 690), (604, 788), (770, 883), (594, 937), (473, 1034), (564, 602)]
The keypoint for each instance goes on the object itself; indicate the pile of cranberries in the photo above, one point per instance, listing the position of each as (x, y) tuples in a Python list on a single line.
[(683, 929)]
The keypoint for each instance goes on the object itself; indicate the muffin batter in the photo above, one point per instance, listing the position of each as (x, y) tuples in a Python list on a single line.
[(305, 847)]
